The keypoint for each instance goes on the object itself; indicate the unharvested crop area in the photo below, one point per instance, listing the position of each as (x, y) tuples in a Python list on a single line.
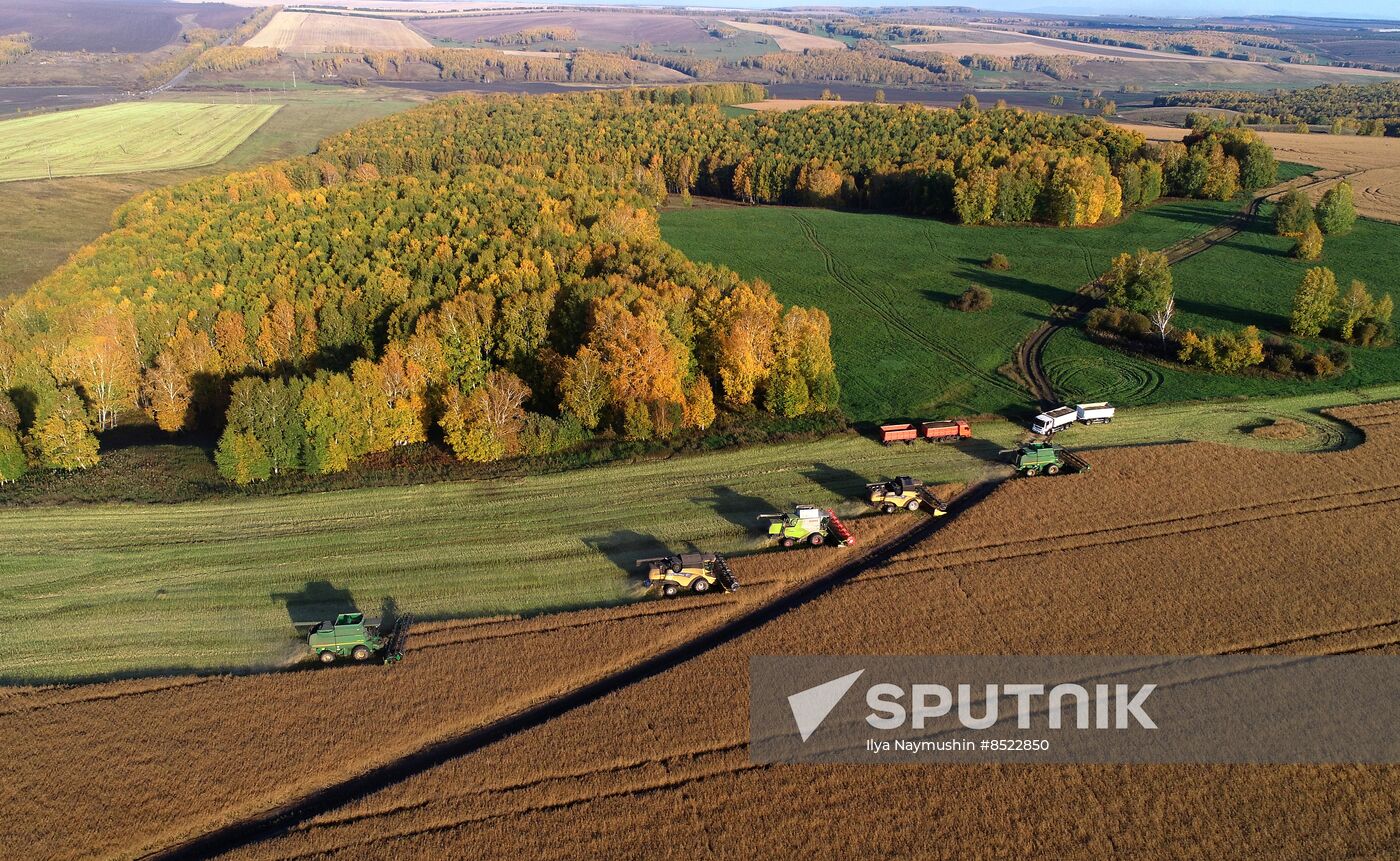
[(125, 138), (297, 732), (1167, 550), (309, 31)]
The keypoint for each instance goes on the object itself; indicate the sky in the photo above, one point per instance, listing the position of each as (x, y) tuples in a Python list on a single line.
[(1372, 9)]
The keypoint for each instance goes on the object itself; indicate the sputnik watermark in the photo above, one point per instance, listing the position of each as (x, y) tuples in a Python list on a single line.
[(1075, 709)]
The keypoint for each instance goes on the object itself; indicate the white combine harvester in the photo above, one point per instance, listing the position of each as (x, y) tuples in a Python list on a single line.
[(1062, 417)]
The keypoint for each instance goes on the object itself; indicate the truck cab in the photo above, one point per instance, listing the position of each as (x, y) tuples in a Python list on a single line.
[(1049, 422)]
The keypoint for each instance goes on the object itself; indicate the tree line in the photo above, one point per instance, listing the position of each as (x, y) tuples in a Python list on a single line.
[(1373, 108)]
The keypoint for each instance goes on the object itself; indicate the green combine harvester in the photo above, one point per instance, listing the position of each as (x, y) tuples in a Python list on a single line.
[(353, 636), (1033, 458), (808, 524)]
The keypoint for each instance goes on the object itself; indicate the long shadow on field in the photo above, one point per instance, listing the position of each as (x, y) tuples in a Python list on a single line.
[(317, 601), (625, 546), (845, 483), (1034, 289), (740, 509)]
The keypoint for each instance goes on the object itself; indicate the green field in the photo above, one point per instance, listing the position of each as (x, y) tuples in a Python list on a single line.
[(1247, 280), (48, 219), (93, 591), (886, 280), (125, 138)]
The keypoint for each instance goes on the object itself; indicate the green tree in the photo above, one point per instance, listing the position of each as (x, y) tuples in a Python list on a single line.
[(63, 438), (1355, 305), (1141, 282), (969, 102), (1293, 214), (241, 458), (1336, 212), (1313, 302), (13, 463), (1309, 245)]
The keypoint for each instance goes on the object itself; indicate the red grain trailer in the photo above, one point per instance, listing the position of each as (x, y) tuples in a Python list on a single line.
[(948, 431), (905, 433)]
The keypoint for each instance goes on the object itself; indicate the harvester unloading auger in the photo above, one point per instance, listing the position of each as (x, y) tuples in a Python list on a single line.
[(810, 524)]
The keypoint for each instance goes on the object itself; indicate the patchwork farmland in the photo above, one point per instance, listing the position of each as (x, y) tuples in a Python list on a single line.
[(125, 138)]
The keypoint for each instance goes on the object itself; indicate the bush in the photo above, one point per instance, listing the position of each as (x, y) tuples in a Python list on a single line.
[(997, 263), (1280, 363), (1321, 365), (1114, 320), (974, 298)]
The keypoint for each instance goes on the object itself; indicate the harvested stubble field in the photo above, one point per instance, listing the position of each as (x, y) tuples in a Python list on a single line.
[(174, 574), (125, 138), (595, 27), (789, 40), (295, 733), (132, 26), (310, 31), (1245, 552)]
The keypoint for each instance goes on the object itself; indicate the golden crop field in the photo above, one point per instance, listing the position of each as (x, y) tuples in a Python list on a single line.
[(125, 138), (1175, 549), (309, 31)]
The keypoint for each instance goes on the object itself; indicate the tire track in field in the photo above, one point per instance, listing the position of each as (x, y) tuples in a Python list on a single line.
[(1387, 626), (283, 817), (1028, 359), (890, 316)]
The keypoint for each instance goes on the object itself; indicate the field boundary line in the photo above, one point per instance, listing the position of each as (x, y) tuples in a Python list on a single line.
[(283, 817)]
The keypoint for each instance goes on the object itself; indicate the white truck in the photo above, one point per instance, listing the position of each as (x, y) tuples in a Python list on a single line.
[(1062, 417)]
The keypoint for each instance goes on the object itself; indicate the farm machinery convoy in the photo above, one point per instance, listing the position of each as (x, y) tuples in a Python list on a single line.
[(353, 636)]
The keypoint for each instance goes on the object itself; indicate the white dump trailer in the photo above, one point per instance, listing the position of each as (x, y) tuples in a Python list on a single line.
[(1062, 417), (1095, 414)]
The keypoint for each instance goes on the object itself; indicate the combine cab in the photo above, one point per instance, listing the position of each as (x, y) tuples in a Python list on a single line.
[(1033, 458), (809, 524), (351, 635), (904, 492), (694, 572)]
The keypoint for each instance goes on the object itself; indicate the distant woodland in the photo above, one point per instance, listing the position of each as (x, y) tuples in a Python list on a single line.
[(489, 272), (1372, 109)]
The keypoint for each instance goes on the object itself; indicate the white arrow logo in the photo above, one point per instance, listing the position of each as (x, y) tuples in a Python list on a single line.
[(810, 707)]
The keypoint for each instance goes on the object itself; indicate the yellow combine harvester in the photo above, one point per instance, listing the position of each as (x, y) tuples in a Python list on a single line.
[(907, 493), (694, 572)]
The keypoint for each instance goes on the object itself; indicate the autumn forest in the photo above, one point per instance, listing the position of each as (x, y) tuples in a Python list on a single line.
[(489, 272)]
